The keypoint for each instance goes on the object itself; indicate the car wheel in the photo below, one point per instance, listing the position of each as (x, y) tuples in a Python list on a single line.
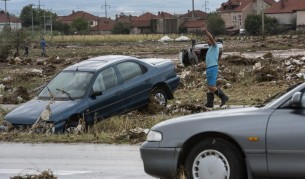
[(215, 158), (159, 96), (70, 127), (75, 125)]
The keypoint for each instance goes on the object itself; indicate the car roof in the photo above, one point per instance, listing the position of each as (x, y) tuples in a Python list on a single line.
[(96, 63)]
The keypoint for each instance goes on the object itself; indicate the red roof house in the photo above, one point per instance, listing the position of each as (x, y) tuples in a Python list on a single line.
[(235, 12), (287, 11)]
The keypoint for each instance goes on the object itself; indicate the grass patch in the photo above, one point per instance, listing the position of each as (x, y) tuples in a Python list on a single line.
[(117, 129)]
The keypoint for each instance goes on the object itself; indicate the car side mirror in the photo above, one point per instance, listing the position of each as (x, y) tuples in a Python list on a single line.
[(96, 93), (296, 99)]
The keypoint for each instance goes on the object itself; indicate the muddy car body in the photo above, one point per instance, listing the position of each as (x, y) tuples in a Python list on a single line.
[(97, 88), (262, 141)]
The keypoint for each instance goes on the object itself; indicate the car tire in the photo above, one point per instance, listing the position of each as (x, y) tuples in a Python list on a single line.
[(159, 96), (227, 161)]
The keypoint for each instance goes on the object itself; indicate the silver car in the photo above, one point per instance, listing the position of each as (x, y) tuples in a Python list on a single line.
[(262, 141)]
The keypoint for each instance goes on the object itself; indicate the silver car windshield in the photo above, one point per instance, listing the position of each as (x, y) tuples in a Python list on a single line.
[(278, 95), (67, 85)]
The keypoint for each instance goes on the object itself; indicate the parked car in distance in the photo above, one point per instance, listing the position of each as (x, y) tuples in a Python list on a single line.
[(253, 142), (98, 88), (196, 52)]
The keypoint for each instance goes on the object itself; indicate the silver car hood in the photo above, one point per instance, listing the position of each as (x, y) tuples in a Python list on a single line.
[(209, 115)]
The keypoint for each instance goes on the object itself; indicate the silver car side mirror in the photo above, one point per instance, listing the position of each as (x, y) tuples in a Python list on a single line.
[(296, 99)]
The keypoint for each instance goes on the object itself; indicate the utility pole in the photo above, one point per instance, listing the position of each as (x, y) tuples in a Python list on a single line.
[(106, 8), (44, 16), (32, 17), (206, 9), (263, 21), (5, 9), (51, 22), (193, 8)]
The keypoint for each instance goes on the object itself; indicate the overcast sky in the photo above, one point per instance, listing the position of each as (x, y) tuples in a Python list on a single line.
[(129, 7)]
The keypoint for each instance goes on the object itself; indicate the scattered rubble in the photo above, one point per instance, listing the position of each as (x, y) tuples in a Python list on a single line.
[(261, 66), (47, 174)]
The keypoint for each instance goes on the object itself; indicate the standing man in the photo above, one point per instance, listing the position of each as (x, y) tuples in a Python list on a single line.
[(26, 48), (211, 61), (43, 47)]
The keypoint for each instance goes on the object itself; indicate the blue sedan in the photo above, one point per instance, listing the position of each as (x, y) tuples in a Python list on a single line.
[(95, 89)]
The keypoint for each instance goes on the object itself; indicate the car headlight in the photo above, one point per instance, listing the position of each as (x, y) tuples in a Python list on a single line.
[(154, 136)]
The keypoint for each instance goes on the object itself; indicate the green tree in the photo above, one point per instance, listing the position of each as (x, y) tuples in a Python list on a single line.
[(10, 40), (121, 28), (253, 25), (215, 24), (26, 16), (80, 25), (182, 30), (271, 26), (62, 27), (31, 13)]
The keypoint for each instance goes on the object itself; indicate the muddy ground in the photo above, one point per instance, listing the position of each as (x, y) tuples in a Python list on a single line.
[(251, 69)]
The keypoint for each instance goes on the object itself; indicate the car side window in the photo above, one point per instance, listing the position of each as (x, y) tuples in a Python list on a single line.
[(105, 80), (129, 70)]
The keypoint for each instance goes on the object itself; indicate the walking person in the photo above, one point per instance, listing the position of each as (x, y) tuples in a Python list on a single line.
[(26, 48), (43, 47), (211, 61)]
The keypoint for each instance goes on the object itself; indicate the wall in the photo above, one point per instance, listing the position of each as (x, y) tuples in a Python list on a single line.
[(14, 26), (257, 6), (300, 18), (164, 26), (284, 18)]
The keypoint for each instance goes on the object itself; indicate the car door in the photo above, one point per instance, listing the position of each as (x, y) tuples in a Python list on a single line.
[(111, 99), (137, 83), (286, 142)]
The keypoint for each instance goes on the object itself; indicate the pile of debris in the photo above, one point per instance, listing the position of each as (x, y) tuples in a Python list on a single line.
[(47, 174)]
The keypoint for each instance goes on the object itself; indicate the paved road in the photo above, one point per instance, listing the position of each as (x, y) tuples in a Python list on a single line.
[(72, 161)]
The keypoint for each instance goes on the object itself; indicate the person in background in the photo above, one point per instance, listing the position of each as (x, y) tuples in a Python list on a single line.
[(43, 47), (26, 48), (211, 61)]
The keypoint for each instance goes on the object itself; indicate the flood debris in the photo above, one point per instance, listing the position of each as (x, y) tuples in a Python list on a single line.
[(42, 124), (135, 135), (35, 174), (187, 108), (15, 95)]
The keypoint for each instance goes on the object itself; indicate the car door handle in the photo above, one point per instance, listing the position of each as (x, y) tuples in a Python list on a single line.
[(148, 80)]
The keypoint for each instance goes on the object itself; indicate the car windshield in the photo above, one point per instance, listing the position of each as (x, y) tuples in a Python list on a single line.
[(67, 85)]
